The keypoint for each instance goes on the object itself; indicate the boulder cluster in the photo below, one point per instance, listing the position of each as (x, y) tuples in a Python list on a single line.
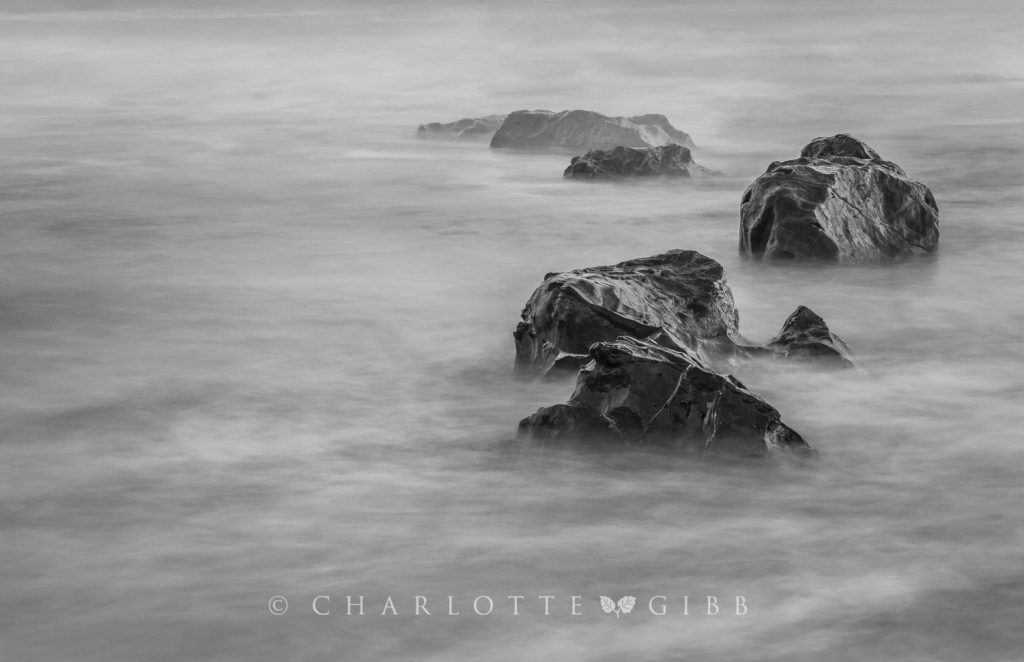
[(652, 341), (605, 147)]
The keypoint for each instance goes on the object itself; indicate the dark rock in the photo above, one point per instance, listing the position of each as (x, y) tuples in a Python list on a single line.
[(651, 340), (570, 422), (842, 144), (806, 336), (679, 296), (470, 128), (581, 130), (679, 299), (839, 202), (636, 392), (669, 160)]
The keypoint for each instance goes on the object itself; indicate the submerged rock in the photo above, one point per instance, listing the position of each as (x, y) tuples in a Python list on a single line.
[(680, 293), (637, 392), (582, 130), (668, 160), (806, 336), (470, 128), (839, 202)]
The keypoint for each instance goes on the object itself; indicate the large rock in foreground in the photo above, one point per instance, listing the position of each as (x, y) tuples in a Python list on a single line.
[(582, 130), (470, 128), (636, 392), (670, 160), (681, 293), (839, 202)]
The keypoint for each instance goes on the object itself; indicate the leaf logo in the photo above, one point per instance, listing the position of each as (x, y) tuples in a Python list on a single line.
[(623, 606)]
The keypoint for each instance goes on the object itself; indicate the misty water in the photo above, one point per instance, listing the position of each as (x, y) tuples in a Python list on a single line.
[(256, 336)]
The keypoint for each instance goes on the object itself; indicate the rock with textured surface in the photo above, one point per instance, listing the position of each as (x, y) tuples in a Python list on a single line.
[(669, 160), (470, 128), (806, 336), (680, 293), (582, 130), (839, 202), (634, 392)]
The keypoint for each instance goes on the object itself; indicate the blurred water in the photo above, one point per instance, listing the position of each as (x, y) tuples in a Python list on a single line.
[(255, 337)]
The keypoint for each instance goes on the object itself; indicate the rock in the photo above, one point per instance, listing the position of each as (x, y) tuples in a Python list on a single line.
[(571, 421), (839, 145), (680, 294), (636, 392), (669, 160), (651, 339), (582, 130), (806, 336), (679, 299), (839, 202), (470, 128)]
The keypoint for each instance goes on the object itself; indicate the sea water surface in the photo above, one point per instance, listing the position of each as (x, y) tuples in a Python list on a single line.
[(255, 337)]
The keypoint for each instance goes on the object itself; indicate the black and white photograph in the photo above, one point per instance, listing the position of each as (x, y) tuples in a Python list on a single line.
[(511, 330)]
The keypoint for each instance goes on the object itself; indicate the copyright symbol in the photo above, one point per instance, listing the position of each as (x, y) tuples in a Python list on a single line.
[(277, 605)]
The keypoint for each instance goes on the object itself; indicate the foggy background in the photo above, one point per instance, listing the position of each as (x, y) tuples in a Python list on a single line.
[(255, 337)]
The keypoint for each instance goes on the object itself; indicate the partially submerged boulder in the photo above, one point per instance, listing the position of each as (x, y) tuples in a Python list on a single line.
[(581, 130), (839, 202), (680, 293), (668, 160), (637, 392), (679, 299), (651, 340), (806, 336), (470, 128)]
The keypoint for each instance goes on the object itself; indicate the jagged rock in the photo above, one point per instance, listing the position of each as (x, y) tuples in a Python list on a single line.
[(636, 392), (669, 160), (806, 336), (581, 130), (470, 128), (651, 339), (680, 293), (839, 202), (679, 299)]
